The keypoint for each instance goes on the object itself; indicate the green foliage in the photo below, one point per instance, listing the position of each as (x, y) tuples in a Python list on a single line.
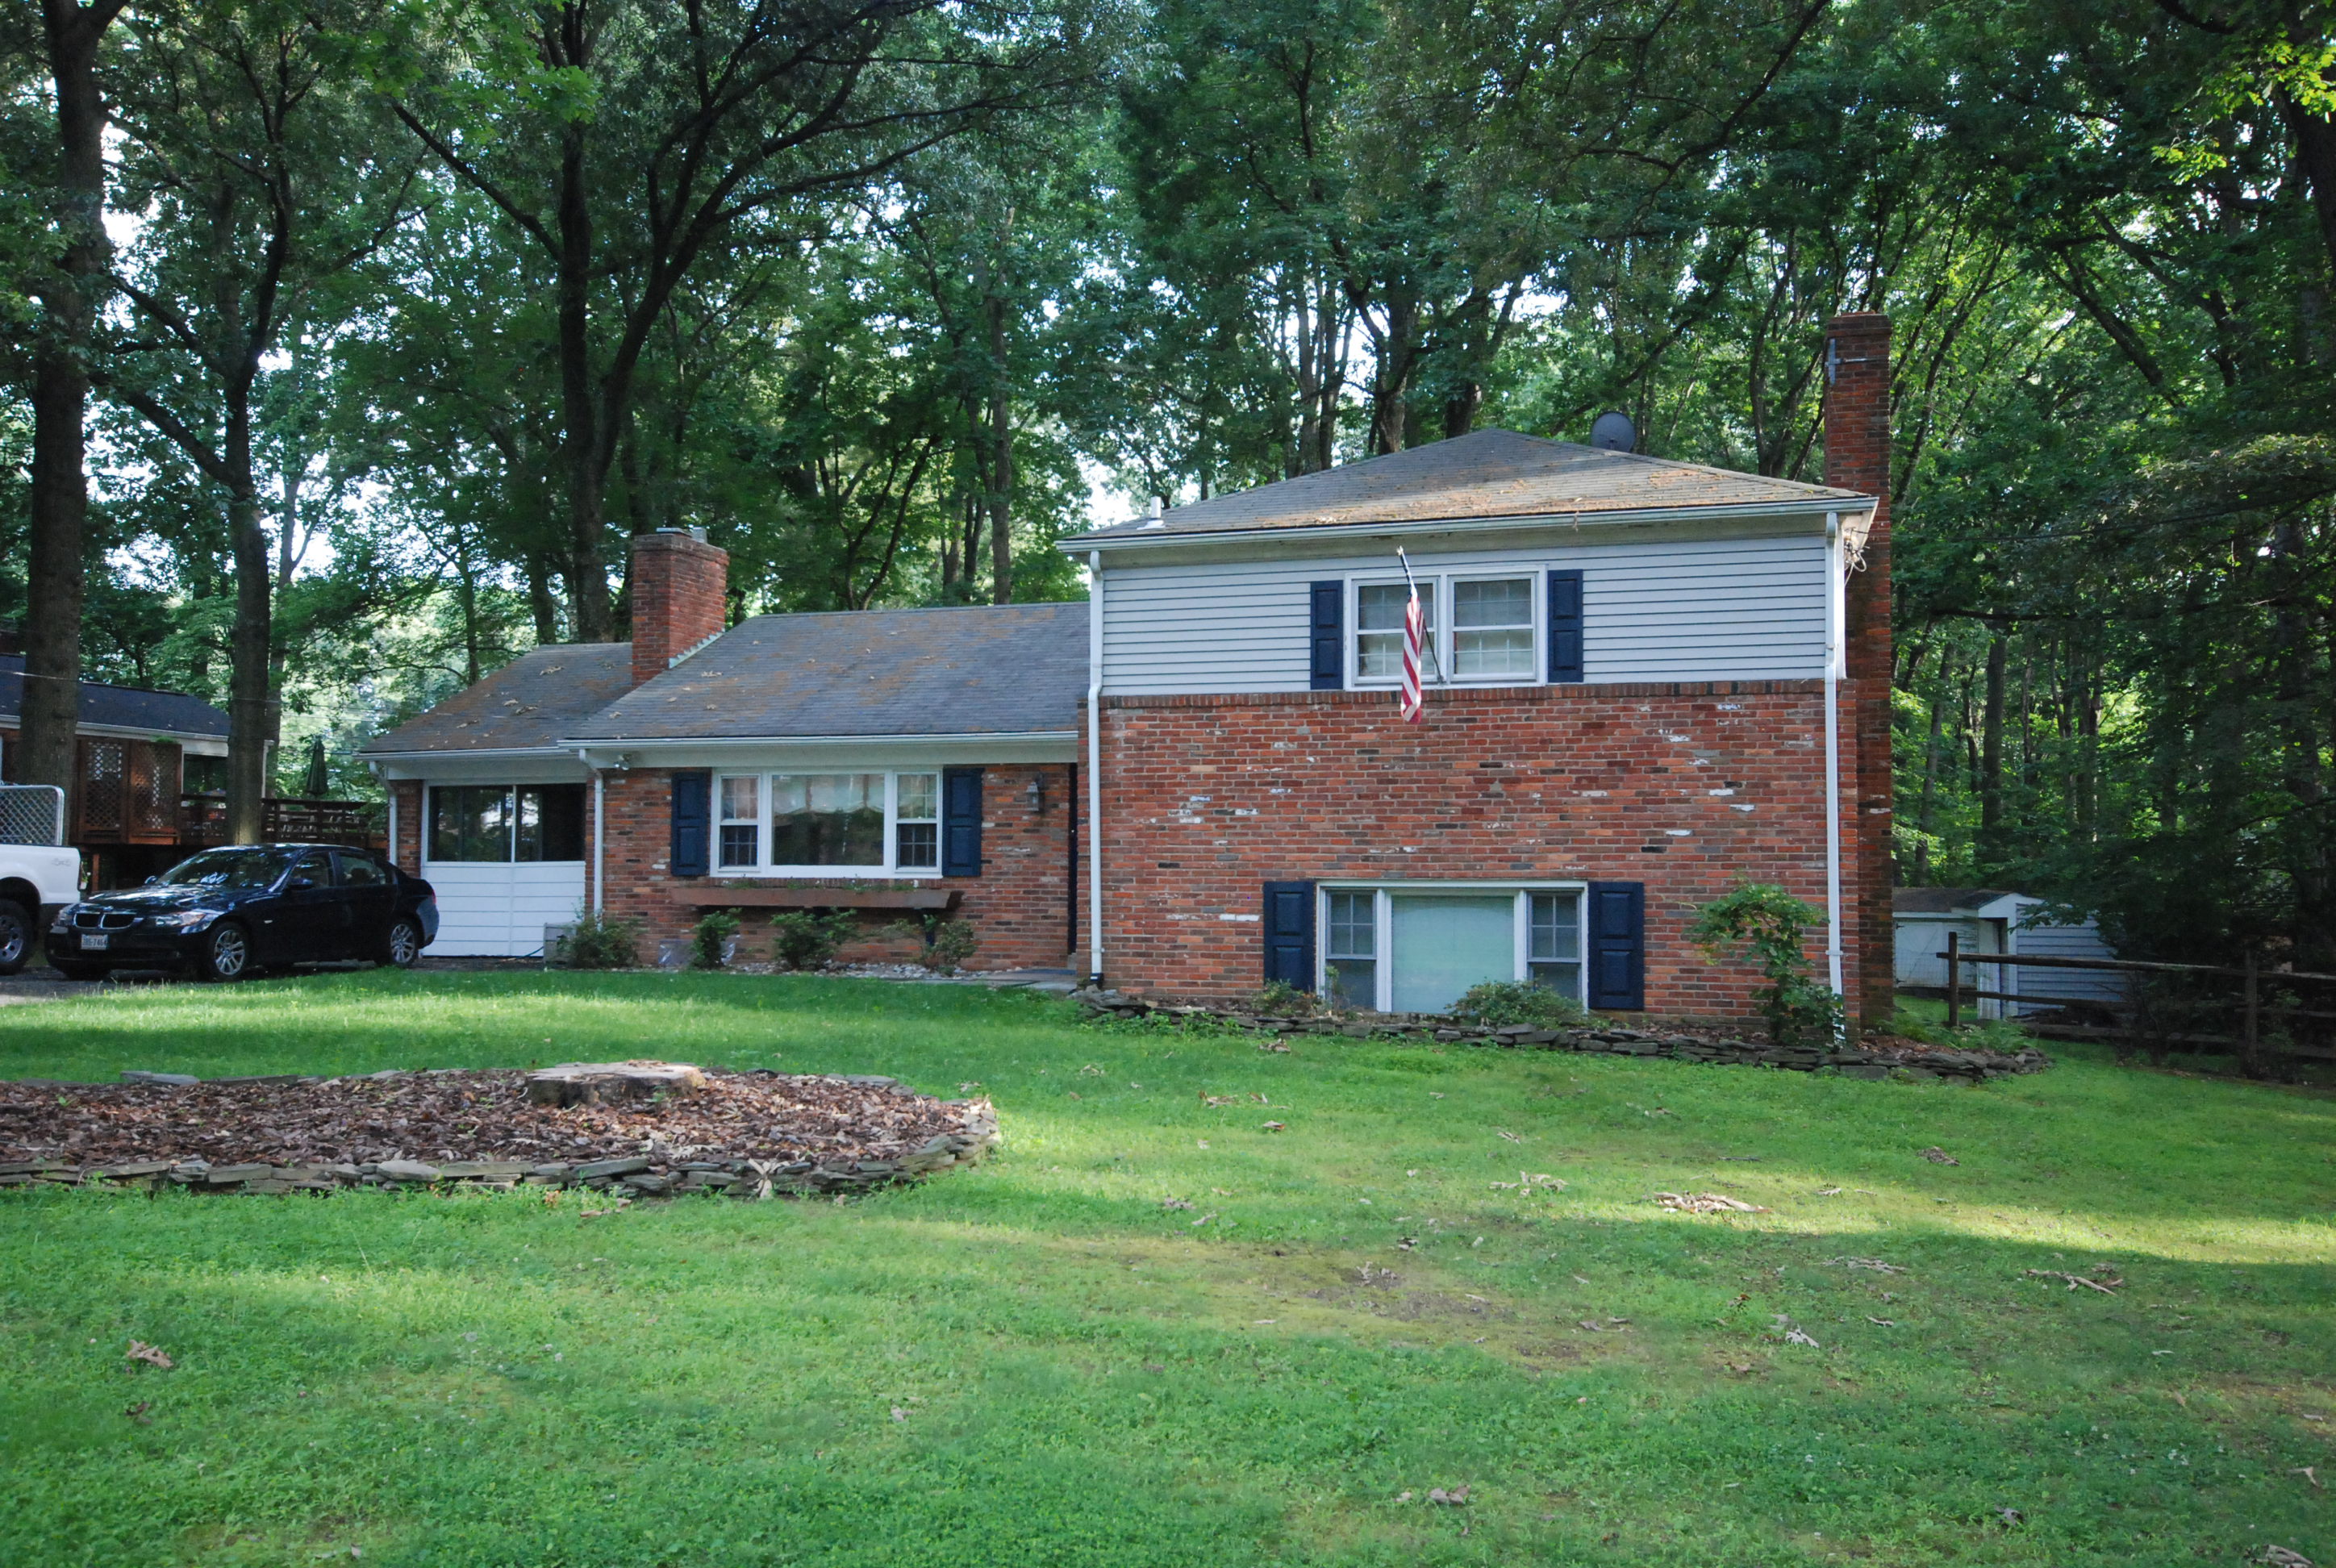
[(1282, 1000), (1773, 927), (1501, 1004), (949, 945), (596, 939), (326, 1364), (805, 940), (710, 939)]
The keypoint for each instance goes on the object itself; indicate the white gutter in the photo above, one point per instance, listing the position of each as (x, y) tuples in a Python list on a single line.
[(579, 743), (1834, 615), (1140, 537), (1095, 766)]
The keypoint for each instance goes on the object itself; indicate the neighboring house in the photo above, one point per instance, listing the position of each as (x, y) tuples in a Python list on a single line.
[(148, 766), (1989, 921), (1644, 676)]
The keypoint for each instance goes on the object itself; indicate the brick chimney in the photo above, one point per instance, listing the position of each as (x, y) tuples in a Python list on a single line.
[(1858, 457), (680, 589)]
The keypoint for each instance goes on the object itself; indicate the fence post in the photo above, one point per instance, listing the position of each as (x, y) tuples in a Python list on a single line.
[(2250, 1035), (1954, 977)]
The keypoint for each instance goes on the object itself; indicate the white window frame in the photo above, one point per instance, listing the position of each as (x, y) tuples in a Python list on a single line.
[(764, 838), (1436, 587), (1383, 928)]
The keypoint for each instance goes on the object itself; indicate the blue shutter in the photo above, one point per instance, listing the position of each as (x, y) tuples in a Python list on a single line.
[(693, 816), (1289, 934), (1565, 626), (1617, 923), (960, 821), (1328, 637)]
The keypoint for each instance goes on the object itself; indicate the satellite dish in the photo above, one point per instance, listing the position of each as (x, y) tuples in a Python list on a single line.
[(1614, 433)]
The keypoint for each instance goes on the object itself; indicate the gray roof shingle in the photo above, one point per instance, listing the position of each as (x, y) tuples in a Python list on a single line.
[(120, 707), (1944, 900), (1487, 473), (532, 701), (986, 670)]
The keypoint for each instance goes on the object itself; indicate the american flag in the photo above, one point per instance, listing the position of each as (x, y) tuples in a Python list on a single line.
[(1414, 630)]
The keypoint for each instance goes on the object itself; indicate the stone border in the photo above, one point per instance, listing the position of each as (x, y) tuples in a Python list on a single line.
[(1869, 1061), (632, 1175)]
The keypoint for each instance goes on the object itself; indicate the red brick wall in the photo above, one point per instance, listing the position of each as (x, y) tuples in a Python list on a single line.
[(1207, 798), (679, 589), (1858, 457), (1018, 905), (406, 852)]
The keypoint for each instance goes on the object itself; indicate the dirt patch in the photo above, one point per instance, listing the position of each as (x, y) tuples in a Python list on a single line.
[(778, 1124)]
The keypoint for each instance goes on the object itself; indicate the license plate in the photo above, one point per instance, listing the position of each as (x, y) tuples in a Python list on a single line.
[(92, 942)]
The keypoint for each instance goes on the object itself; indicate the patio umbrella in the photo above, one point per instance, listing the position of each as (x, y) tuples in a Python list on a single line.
[(317, 783)]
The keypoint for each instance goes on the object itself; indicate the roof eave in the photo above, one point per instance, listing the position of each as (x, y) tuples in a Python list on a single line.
[(1157, 537), (875, 737)]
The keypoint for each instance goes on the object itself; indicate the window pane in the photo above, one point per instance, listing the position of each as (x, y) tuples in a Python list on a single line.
[(550, 822), (740, 843), (1507, 602), (920, 796), (1354, 983), (1491, 628), (470, 823), (741, 795), (1378, 621), (1354, 926), (920, 846), (828, 819), (1565, 979), (361, 872), (1480, 653), (1445, 943), (1556, 927)]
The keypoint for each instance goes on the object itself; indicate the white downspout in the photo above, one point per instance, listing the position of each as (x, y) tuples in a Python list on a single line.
[(1095, 766), (389, 788), (1835, 616), (600, 825)]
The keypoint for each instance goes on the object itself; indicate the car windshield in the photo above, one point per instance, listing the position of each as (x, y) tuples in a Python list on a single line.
[(231, 869)]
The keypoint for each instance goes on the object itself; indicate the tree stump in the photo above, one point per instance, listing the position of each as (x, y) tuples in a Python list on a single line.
[(608, 1083)]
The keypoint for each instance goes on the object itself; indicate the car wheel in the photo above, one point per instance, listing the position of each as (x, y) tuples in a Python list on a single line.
[(74, 971), (15, 935), (404, 944), (226, 954)]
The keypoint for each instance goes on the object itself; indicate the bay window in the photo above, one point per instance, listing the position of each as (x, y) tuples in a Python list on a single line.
[(826, 823)]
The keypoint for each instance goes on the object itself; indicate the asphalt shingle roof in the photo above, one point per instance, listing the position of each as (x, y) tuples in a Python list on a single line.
[(120, 707), (986, 670), (532, 701), (1487, 473), (1943, 900)]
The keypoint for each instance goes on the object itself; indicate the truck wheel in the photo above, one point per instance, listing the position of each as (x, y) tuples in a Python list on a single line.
[(405, 943), (74, 971), (226, 954), (15, 935)]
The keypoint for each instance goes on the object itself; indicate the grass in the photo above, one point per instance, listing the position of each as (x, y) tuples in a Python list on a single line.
[(1038, 1363)]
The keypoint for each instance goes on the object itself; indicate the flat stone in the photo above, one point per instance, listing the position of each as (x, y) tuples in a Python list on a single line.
[(406, 1171), (227, 1176), (467, 1170), (134, 1169), (271, 1184), (560, 1168), (263, 1078), (180, 1080), (625, 1166), (30, 1167), (650, 1183), (607, 1083)]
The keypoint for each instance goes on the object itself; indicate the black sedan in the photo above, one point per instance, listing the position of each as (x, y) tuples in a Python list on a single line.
[(233, 912)]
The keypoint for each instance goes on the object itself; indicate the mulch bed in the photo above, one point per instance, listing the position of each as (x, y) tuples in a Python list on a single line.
[(793, 1132)]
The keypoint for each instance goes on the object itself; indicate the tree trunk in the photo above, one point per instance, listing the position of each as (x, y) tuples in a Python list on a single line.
[(247, 704), (540, 605), (59, 502), (1990, 763), (1001, 462), (588, 574)]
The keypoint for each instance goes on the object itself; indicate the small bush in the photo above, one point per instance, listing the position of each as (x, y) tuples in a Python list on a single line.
[(1282, 1000), (710, 939), (598, 940), (1506, 1004), (1772, 926), (802, 940), (949, 946)]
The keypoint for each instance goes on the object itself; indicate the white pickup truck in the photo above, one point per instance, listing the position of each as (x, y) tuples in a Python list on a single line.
[(38, 875)]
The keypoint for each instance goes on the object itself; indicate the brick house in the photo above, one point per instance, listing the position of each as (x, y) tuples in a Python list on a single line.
[(1646, 681)]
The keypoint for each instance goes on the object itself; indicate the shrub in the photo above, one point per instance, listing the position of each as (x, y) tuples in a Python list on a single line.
[(1282, 1000), (949, 946), (805, 940), (1502, 1004), (598, 940), (710, 939), (1772, 925)]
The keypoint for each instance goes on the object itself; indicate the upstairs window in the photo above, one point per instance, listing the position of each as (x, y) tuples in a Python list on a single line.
[(1479, 630)]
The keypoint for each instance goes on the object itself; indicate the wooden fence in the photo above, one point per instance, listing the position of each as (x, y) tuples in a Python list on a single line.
[(2167, 1007)]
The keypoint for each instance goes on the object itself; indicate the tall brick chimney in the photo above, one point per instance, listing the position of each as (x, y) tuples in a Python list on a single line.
[(680, 589), (1857, 457)]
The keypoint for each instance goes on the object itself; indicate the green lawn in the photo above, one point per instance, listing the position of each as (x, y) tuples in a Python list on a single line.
[(1038, 1363)]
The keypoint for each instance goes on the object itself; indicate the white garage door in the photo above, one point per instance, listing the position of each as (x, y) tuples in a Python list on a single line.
[(489, 908)]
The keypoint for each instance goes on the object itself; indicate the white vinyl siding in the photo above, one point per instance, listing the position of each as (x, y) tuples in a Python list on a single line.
[(490, 910), (1690, 610)]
